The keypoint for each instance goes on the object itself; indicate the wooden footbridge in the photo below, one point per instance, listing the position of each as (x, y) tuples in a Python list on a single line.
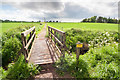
[(41, 49)]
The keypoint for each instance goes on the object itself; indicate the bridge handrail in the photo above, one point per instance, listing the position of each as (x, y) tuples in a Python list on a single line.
[(52, 33), (26, 43)]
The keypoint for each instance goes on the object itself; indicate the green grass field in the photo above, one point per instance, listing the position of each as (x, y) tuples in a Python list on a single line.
[(85, 26), (7, 26)]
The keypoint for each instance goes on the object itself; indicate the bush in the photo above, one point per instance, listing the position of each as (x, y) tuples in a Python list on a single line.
[(11, 43), (10, 50), (102, 62), (94, 39), (20, 70)]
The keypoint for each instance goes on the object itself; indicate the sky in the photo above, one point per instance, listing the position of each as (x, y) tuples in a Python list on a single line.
[(61, 10)]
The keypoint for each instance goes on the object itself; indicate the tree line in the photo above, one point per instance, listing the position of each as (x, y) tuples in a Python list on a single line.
[(16, 21), (100, 19)]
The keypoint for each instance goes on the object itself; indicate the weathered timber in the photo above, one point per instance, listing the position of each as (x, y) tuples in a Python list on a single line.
[(26, 43), (52, 34)]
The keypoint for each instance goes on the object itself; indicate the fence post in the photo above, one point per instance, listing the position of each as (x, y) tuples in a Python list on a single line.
[(55, 35), (78, 52), (51, 34), (63, 41), (48, 32)]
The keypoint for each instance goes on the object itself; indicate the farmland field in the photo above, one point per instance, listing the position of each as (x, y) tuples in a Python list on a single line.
[(7, 26), (86, 26)]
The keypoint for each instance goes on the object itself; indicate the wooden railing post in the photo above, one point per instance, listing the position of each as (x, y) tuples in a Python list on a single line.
[(55, 35), (51, 32), (59, 40), (63, 38), (48, 32), (78, 51), (26, 43)]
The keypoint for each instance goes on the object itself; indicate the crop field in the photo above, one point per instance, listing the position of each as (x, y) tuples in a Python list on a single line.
[(7, 26), (86, 26)]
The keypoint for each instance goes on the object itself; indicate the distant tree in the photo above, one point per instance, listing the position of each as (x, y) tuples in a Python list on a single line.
[(1, 20), (88, 20), (110, 20), (50, 21), (39, 21), (53, 21), (93, 19), (100, 19), (105, 20), (115, 21), (84, 20), (7, 21), (56, 21), (119, 21)]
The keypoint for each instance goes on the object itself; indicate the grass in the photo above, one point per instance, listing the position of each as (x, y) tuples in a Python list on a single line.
[(86, 26), (6, 26)]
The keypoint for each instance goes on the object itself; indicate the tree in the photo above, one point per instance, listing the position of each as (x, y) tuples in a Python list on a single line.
[(93, 19), (115, 21), (110, 20), (84, 20), (119, 21), (105, 20), (50, 21), (100, 19)]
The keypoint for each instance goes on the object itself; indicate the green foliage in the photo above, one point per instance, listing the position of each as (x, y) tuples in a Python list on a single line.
[(68, 64), (20, 70), (10, 50), (100, 19), (101, 62), (94, 39), (11, 42), (3, 73)]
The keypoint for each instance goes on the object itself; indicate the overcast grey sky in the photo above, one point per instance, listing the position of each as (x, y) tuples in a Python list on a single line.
[(62, 10)]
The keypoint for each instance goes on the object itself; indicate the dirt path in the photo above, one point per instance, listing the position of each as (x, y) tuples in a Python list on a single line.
[(42, 56), (48, 71)]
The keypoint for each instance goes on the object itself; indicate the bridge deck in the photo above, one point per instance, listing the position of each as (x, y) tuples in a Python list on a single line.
[(41, 54)]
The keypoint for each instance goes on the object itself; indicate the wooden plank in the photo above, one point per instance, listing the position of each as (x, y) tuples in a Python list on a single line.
[(29, 55), (30, 41), (25, 33)]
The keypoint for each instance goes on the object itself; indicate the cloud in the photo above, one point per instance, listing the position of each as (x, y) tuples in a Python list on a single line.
[(38, 6), (58, 9)]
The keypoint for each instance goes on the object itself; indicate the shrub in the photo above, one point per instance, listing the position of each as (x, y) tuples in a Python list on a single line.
[(94, 39), (10, 50), (101, 62), (21, 69)]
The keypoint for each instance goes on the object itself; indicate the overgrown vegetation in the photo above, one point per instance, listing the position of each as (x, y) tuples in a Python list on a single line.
[(11, 45), (101, 61), (20, 70), (94, 39)]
